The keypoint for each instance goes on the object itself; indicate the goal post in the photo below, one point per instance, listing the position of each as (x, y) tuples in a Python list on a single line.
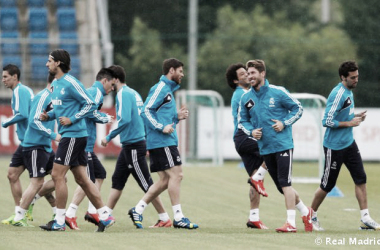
[(200, 136)]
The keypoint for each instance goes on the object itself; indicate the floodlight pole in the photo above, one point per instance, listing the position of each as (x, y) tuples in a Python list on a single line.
[(193, 41)]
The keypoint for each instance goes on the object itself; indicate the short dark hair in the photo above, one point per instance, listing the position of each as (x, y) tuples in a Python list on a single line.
[(118, 72), (50, 78), (257, 64), (170, 63), (346, 67), (12, 70), (231, 74), (105, 73), (62, 56)]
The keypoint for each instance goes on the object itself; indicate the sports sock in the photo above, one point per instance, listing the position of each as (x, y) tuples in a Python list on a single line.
[(17, 208), (109, 210), (60, 216), (20, 213), (140, 207), (254, 214), (291, 217), (302, 208), (91, 209), (35, 199), (259, 175), (314, 214), (54, 210), (177, 210), (103, 213), (164, 217), (72, 210), (365, 215)]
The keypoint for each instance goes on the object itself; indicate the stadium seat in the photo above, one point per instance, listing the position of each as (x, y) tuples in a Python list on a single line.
[(69, 42), (66, 19), (36, 3), (10, 43), (8, 19), (38, 68), (7, 3), (38, 43), (37, 19), (64, 3), (14, 59), (75, 67)]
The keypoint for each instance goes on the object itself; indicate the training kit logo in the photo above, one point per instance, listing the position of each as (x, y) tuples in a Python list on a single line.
[(167, 99), (178, 159), (271, 102), (250, 104), (347, 103), (333, 165)]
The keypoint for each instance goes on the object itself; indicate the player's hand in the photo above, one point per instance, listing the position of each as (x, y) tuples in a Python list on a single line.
[(278, 126), (362, 115), (44, 116), (110, 118), (58, 138), (104, 142), (356, 121), (168, 129), (183, 113), (64, 121), (257, 133)]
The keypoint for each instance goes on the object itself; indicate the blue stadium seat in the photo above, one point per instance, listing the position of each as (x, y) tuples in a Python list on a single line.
[(8, 3), (66, 19), (38, 43), (64, 3), (69, 42), (75, 67), (38, 19), (8, 19), (38, 67), (36, 3), (15, 59), (10, 43)]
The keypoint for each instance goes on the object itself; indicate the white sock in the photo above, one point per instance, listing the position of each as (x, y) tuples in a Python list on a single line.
[(109, 210), (164, 217), (254, 215), (103, 213), (17, 208), (72, 210), (177, 210), (314, 215), (291, 217), (140, 207), (365, 215), (20, 213), (54, 210), (60, 216), (35, 199), (302, 208), (91, 209), (260, 173)]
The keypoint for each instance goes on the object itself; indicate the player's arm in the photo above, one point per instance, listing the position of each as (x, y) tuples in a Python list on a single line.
[(293, 105), (123, 114), (85, 99), (36, 122), (21, 109), (244, 117), (149, 113)]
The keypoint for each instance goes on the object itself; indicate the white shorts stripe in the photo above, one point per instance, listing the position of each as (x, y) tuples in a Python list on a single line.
[(327, 168), (290, 166), (138, 169), (34, 162), (69, 151), (169, 156)]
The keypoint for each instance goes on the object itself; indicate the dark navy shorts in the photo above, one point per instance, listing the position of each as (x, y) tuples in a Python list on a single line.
[(334, 159), (248, 150), (71, 152), (162, 159), (38, 161), (132, 160), (17, 158), (280, 168), (95, 168)]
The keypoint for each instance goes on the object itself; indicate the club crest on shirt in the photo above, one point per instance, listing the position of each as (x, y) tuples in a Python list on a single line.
[(250, 104), (271, 102), (62, 91)]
